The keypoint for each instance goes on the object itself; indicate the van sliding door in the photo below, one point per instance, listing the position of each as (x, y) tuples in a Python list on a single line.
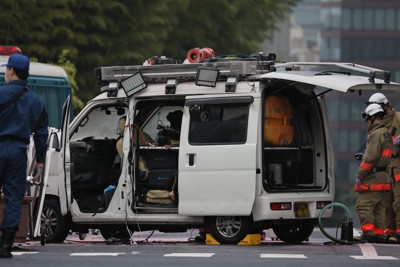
[(217, 162)]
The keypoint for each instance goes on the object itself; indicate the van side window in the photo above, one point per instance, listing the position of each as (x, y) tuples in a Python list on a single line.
[(218, 124)]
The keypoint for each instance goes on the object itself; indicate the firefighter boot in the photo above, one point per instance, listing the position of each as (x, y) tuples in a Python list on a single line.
[(395, 239), (7, 241)]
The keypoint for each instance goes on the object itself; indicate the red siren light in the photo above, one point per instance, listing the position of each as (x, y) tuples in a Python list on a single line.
[(7, 50), (197, 55)]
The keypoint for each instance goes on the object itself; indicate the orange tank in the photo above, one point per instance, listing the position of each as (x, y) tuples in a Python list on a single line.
[(278, 121)]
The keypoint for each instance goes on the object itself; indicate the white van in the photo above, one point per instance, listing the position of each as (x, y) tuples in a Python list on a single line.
[(235, 145)]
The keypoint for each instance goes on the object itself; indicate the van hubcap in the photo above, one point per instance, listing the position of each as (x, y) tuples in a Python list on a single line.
[(229, 226), (49, 221)]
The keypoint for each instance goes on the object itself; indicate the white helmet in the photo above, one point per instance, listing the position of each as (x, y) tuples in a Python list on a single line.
[(372, 110), (377, 98)]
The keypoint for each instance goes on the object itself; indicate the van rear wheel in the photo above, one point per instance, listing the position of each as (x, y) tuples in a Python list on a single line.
[(229, 229), (294, 231)]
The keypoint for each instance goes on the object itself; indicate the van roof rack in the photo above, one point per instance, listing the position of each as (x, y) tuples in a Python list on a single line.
[(161, 73), (229, 66)]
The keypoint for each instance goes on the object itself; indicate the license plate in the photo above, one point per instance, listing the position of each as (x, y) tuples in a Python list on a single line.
[(301, 210)]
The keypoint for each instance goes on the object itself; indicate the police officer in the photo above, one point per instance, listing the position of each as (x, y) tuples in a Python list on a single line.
[(372, 180), (392, 199), (22, 113)]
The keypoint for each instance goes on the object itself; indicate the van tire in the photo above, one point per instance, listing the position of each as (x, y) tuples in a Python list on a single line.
[(53, 224), (120, 234), (229, 229), (294, 231)]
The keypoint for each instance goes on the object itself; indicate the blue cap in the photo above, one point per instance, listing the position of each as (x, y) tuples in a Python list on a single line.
[(18, 61)]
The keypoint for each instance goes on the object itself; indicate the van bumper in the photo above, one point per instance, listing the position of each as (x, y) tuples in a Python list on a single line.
[(299, 206)]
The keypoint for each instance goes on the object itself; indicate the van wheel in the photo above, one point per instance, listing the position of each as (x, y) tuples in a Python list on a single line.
[(53, 224), (82, 236), (229, 229), (294, 231), (107, 233)]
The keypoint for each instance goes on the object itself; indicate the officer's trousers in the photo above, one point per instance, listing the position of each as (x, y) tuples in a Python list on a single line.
[(13, 160), (372, 212)]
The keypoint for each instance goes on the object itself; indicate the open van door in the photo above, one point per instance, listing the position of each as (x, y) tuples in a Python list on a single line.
[(57, 151), (64, 167), (332, 80), (217, 162)]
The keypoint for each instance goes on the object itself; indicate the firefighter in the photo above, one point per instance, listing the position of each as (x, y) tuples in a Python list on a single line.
[(392, 199), (372, 179)]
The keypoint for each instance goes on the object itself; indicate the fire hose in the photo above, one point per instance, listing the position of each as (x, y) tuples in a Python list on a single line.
[(347, 225)]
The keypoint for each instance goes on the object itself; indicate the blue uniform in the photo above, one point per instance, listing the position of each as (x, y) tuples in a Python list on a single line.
[(17, 122)]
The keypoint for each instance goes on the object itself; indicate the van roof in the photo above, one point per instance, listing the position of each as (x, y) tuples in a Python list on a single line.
[(39, 69)]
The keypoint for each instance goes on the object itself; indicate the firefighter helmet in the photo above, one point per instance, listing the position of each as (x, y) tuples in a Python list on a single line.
[(372, 110), (377, 98)]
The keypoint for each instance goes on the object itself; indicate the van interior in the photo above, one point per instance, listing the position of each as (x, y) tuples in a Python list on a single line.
[(294, 146)]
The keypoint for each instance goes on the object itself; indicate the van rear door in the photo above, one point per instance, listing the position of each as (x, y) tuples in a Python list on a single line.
[(217, 162), (331, 80)]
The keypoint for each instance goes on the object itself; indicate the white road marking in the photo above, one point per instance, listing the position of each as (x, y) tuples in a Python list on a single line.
[(201, 255), (284, 256), (369, 253), (94, 254), (19, 253)]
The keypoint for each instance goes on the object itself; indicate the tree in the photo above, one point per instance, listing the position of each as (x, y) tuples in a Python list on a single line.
[(126, 32), (227, 26), (70, 69)]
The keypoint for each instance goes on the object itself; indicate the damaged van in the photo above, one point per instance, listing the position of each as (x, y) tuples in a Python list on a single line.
[(232, 144)]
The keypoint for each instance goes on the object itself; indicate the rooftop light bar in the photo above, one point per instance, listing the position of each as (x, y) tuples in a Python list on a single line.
[(133, 84), (207, 77), (177, 71)]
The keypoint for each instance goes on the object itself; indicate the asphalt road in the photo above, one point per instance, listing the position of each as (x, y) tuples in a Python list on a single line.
[(176, 250)]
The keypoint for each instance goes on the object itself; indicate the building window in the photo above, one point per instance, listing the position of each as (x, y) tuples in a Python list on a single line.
[(344, 140), (357, 19), (333, 109), (346, 19), (344, 113), (352, 169), (368, 19), (398, 19), (390, 19), (356, 108), (379, 19), (396, 76)]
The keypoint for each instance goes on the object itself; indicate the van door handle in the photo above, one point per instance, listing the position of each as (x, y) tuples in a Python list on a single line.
[(191, 159)]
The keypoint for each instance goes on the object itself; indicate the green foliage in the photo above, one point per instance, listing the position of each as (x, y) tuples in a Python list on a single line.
[(70, 69), (120, 32)]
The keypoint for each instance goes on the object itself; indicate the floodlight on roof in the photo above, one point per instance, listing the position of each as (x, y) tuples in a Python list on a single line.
[(230, 85), (207, 77), (170, 87), (133, 84)]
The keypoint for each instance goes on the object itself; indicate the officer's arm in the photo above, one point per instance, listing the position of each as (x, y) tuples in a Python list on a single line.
[(40, 137)]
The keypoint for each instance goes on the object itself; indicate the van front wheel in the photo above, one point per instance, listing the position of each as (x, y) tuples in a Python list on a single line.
[(55, 226), (229, 229)]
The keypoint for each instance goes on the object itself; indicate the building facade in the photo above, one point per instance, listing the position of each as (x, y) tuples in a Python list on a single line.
[(365, 32)]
